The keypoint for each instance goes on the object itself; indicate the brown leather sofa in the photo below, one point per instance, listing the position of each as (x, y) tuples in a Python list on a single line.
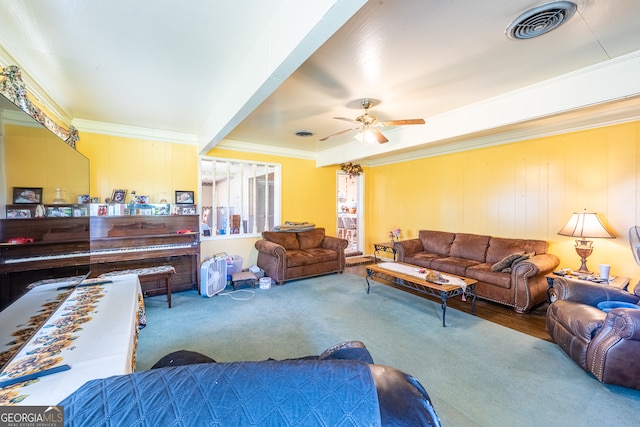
[(604, 344), (286, 255), (509, 271)]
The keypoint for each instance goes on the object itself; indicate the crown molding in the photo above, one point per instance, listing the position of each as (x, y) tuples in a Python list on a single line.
[(126, 131), (533, 131), (249, 147)]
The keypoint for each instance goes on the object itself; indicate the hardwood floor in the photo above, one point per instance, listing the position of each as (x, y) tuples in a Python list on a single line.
[(532, 323)]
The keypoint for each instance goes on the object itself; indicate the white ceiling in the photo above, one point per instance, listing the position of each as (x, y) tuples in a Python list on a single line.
[(249, 74)]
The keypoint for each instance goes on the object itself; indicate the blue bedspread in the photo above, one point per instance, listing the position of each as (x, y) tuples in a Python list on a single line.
[(266, 393)]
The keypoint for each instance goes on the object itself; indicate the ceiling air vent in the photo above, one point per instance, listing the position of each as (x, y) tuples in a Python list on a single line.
[(540, 20), (304, 133)]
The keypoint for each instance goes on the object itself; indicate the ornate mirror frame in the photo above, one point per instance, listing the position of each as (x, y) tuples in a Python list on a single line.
[(13, 88)]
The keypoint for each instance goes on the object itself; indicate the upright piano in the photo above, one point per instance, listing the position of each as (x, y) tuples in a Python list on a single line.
[(139, 241), (36, 249), (61, 248)]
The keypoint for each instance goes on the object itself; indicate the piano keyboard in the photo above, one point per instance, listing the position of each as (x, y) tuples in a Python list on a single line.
[(45, 257), (102, 252), (144, 248)]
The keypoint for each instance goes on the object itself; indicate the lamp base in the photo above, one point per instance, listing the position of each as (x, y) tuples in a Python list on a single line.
[(584, 249), (583, 267)]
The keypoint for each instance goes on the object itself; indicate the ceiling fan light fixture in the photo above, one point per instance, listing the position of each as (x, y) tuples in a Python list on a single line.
[(540, 20), (366, 137), (366, 125)]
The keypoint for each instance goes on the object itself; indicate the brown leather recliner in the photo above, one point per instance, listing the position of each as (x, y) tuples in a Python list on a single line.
[(604, 344)]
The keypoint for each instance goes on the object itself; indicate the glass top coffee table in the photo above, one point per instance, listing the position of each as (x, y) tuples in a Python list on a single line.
[(410, 277)]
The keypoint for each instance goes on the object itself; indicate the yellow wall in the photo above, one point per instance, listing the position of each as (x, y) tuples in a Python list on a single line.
[(308, 194), (35, 157), (151, 168), (526, 189)]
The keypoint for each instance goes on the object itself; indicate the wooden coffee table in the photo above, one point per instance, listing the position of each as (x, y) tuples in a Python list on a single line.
[(409, 278)]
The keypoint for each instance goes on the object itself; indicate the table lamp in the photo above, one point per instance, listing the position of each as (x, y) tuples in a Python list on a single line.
[(585, 225)]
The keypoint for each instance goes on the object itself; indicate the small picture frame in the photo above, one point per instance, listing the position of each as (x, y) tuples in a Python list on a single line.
[(161, 210), (184, 197), (142, 200), (188, 211), (27, 195), (118, 196), (83, 199), (59, 212), (18, 213)]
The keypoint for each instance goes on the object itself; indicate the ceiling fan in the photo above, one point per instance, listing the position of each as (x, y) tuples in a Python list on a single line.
[(366, 124)]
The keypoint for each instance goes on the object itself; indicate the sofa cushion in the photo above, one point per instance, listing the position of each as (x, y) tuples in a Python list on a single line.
[(484, 273), (470, 246), (286, 239), (438, 242), (311, 239), (422, 259), (506, 261), (322, 254), (452, 265), (298, 258)]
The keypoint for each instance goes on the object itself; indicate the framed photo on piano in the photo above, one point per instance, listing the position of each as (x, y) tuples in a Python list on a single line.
[(27, 195), (118, 196), (18, 213), (184, 197)]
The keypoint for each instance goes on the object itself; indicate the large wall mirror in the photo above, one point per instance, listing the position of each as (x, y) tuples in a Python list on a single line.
[(44, 231)]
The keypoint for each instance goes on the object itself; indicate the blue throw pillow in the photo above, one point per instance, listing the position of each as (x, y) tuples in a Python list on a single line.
[(607, 306)]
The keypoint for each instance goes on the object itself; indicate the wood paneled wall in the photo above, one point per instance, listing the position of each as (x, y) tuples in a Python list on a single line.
[(526, 189)]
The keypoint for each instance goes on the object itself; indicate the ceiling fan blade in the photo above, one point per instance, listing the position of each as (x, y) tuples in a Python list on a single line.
[(379, 136), (335, 134), (403, 122), (344, 118)]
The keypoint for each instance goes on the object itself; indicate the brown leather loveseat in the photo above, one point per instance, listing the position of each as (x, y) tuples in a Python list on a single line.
[(287, 255), (509, 271), (606, 344)]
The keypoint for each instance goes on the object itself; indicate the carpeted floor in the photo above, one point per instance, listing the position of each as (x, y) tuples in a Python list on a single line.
[(477, 373)]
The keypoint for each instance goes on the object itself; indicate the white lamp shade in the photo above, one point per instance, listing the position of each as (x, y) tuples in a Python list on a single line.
[(585, 225)]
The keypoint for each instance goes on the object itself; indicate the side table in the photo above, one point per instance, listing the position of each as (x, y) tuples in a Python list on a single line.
[(383, 247), (619, 282)]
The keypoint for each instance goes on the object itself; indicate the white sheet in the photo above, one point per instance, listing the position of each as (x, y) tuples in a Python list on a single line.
[(413, 271), (94, 332)]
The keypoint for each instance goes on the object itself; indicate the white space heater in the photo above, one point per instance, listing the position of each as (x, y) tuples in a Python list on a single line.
[(213, 275)]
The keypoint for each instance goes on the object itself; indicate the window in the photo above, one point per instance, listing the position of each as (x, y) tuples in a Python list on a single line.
[(239, 197)]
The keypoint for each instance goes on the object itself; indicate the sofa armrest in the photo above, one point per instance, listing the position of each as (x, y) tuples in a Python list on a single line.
[(335, 243), (529, 281), (612, 353), (539, 265), (406, 248), (625, 322), (270, 248), (567, 288)]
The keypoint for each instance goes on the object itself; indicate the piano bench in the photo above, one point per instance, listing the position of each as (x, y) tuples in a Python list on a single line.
[(243, 278), (151, 277)]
